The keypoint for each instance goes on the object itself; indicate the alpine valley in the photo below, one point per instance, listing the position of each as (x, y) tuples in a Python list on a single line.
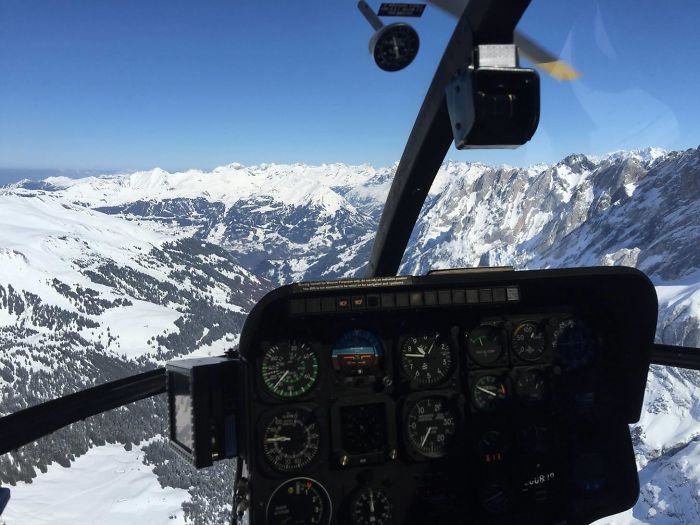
[(102, 277)]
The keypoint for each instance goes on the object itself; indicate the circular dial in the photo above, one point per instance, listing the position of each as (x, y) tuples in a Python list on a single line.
[(488, 393), (299, 501), (484, 344), (371, 506), (528, 341), (289, 369), (573, 340), (357, 353), (531, 386), (431, 426), (395, 46), (426, 359), (291, 440)]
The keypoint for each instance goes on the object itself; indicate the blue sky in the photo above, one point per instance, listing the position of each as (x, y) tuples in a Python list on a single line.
[(134, 84)]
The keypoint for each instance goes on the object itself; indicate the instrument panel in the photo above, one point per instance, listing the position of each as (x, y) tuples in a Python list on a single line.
[(460, 398)]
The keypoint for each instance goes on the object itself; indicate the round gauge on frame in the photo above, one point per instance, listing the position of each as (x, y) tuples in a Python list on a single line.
[(395, 46), (426, 360), (529, 341), (531, 386), (484, 344), (431, 426), (357, 353), (299, 501), (289, 369), (291, 439), (573, 340), (489, 393), (371, 506)]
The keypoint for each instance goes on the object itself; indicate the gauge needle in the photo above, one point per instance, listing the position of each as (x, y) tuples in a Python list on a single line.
[(432, 345), (277, 439), (425, 438), (281, 379), (414, 355), (482, 389), (371, 501)]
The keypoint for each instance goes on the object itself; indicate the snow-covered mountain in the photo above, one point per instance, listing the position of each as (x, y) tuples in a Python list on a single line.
[(120, 272)]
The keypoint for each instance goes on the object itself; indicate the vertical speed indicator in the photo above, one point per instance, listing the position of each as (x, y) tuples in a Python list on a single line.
[(289, 369)]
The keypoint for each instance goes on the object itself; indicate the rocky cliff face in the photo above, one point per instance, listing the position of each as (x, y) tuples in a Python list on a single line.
[(104, 276)]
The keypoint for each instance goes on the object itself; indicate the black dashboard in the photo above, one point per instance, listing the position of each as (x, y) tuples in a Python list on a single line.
[(458, 397)]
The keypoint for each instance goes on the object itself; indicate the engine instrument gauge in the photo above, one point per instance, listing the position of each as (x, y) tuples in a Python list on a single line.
[(289, 369), (431, 426), (531, 386), (299, 501), (371, 506), (488, 393), (394, 46), (528, 341), (484, 344), (426, 359), (357, 353), (574, 342), (291, 439)]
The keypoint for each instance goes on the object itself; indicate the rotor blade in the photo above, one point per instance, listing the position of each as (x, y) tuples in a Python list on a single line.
[(451, 7), (543, 59), (532, 51)]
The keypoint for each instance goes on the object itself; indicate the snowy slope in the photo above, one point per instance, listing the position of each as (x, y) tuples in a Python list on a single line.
[(108, 485), (294, 222)]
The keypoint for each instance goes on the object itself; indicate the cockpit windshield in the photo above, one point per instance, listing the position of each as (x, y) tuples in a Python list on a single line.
[(164, 165)]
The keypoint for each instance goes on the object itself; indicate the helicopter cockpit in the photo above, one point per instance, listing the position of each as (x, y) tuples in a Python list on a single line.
[(465, 396)]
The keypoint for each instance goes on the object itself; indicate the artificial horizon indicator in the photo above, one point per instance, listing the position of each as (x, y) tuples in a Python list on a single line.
[(357, 353)]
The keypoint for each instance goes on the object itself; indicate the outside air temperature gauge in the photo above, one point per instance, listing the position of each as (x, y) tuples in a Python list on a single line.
[(394, 46)]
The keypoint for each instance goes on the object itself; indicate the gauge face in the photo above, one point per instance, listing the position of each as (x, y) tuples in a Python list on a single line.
[(291, 440), (528, 341), (363, 428), (431, 426), (371, 506), (299, 501), (426, 359), (357, 353), (488, 393), (484, 344), (574, 342), (531, 386), (395, 46), (289, 369)]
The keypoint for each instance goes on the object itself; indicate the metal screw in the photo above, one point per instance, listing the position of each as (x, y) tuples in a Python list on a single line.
[(393, 454), (344, 460)]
